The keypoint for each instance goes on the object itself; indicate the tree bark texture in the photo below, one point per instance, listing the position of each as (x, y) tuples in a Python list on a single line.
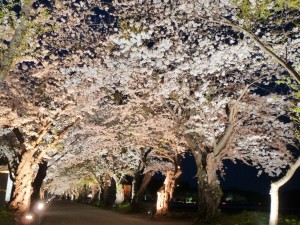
[(209, 190), (22, 192), (165, 194)]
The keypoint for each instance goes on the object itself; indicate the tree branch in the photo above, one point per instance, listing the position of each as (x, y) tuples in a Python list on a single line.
[(232, 124), (56, 140), (288, 175), (45, 130), (263, 46), (16, 41)]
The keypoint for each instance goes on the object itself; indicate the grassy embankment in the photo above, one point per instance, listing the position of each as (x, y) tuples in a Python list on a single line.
[(250, 218), (6, 217)]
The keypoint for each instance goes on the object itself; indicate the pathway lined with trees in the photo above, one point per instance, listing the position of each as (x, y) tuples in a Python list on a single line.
[(97, 91), (62, 212)]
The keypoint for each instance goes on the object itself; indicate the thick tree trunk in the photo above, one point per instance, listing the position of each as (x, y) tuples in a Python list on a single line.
[(38, 181), (22, 185), (119, 194), (137, 182), (136, 201), (165, 194), (108, 191), (106, 194), (202, 206), (213, 192), (209, 191)]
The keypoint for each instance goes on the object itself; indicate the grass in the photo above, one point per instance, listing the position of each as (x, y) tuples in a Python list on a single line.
[(250, 218), (124, 208), (237, 218), (6, 217)]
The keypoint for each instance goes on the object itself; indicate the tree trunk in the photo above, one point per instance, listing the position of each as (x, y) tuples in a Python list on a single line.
[(22, 185), (38, 181), (99, 193), (212, 189), (274, 205), (107, 190), (137, 182), (202, 207), (119, 194), (96, 193), (139, 175), (136, 201), (274, 192), (95, 190), (209, 191), (165, 194)]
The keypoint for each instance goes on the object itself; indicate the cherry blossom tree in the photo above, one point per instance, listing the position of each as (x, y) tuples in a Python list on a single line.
[(181, 55), (113, 129), (143, 76), (33, 139), (70, 181), (37, 99), (271, 25)]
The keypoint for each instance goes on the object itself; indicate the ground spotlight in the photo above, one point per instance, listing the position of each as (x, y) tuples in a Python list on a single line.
[(29, 216), (40, 206)]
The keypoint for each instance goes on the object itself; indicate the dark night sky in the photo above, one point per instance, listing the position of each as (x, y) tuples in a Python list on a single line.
[(239, 176)]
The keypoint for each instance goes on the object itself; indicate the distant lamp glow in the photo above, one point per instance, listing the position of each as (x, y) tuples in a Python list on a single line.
[(40, 206), (29, 216)]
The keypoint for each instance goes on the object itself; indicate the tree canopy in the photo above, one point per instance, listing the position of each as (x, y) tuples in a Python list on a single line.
[(97, 88)]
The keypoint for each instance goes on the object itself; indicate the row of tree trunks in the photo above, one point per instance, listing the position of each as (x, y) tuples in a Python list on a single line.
[(209, 192)]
